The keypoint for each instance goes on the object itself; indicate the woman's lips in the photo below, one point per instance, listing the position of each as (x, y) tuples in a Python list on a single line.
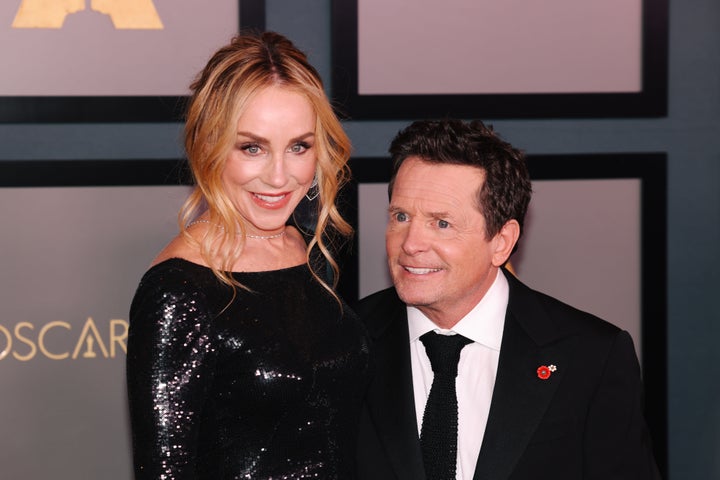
[(266, 200)]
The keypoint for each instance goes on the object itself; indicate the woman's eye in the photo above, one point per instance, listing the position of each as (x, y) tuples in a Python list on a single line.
[(299, 147), (251, 148), (443, 224)]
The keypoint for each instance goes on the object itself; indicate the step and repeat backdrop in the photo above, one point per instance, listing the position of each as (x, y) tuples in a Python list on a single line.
[(78, 236), (72, 257)]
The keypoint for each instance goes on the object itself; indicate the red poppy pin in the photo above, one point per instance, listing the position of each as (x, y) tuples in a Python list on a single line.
[(544, 372)]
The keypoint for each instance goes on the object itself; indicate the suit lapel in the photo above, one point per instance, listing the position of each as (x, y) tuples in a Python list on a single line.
[(520, 397), (391, 400)]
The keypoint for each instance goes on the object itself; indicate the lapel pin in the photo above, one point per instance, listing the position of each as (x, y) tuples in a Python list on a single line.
[(544, 372)]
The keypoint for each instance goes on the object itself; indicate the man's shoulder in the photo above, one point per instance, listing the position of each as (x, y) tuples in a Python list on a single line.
[(380, 309), (382, 299), (526, 302)]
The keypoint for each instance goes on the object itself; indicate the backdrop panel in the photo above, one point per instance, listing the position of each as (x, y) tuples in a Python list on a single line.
[(73, 258), (400, 59), (122, 61), (595, 237)]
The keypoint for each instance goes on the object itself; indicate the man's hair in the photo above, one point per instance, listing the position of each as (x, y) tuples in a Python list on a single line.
[(506, 191)]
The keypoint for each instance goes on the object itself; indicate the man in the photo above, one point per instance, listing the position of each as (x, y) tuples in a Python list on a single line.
[(543, 391)]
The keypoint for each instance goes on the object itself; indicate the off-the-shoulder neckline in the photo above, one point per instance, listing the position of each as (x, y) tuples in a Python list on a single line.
[(199, 266)]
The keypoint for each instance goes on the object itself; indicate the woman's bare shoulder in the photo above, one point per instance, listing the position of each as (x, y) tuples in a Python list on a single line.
[(179, 247)]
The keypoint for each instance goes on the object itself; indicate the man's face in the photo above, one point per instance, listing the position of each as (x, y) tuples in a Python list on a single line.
[(439, 257)]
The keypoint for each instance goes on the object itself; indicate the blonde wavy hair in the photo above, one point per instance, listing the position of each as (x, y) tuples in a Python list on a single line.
[(220, 94)]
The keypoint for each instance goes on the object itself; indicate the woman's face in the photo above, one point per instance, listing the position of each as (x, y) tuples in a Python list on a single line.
[(272, 164)]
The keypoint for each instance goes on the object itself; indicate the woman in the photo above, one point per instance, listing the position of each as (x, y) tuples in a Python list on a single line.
[(242, 361)]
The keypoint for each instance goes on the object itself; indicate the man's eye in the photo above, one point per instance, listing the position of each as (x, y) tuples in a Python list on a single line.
[(443, 224), (401, 217)]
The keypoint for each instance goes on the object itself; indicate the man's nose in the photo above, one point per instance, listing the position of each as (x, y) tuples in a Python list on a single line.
[(416, 238)]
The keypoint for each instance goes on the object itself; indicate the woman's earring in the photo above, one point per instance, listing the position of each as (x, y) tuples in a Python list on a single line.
[(314, 190)]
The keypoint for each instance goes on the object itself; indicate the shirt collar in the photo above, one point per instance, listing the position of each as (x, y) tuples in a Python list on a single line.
[(483, 324)]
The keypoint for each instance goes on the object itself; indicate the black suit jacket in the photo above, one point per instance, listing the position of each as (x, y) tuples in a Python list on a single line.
[(583, 422)]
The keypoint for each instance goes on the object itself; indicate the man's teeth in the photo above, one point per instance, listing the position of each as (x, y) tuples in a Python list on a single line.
[(421, 271), (270, 198)]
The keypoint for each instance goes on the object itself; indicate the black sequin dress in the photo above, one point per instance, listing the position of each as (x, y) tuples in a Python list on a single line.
[(267, 388)]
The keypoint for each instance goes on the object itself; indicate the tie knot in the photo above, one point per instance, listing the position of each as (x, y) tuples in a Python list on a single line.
[(444, 352)]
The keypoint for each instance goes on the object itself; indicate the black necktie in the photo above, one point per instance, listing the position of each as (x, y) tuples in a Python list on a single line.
[(438, 436)]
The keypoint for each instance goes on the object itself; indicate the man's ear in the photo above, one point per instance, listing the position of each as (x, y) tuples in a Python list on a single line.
[(504, 242)]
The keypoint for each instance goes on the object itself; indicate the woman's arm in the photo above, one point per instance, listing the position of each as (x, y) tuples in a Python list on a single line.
[(169, 369)]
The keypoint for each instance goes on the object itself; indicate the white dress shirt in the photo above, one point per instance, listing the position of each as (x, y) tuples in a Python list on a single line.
[(477, 369)]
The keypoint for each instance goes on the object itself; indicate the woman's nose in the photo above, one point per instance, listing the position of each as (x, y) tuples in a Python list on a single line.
[(276, 173)]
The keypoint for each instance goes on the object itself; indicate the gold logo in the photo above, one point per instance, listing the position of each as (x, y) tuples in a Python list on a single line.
[(58, 340), (125, 14)]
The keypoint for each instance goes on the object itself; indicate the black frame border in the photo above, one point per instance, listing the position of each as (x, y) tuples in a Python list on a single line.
[(651, 170), (651, 101), (94, 173)]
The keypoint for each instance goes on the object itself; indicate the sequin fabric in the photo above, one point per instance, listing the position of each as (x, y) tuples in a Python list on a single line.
[(267, 388)]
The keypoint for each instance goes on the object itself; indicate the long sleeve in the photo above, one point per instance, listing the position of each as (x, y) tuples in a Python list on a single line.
[(617, 442), (169, 368)]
